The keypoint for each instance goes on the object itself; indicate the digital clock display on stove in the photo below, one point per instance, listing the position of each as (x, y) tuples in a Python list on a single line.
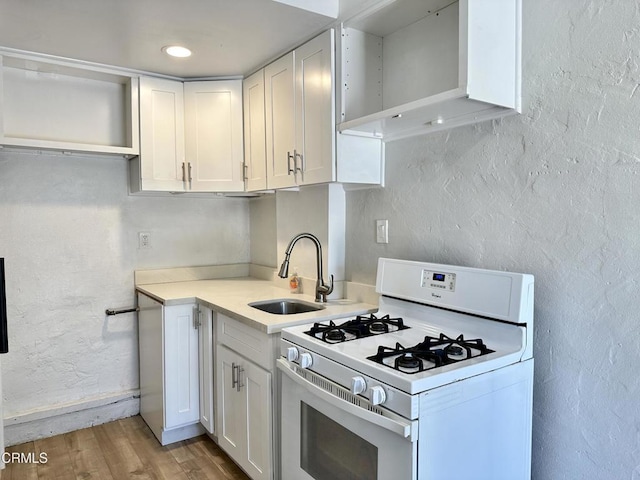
[(438, 280)]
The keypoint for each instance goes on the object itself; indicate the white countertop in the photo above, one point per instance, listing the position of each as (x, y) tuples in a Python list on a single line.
[(231, 297)]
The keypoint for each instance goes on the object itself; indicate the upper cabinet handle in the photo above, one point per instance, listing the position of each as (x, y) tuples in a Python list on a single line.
[(302, 167), (289, 158)]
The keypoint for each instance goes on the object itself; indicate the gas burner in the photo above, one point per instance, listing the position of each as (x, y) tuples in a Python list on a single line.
[(378, 327), (359, 327), (334, 335), (431, 353), (407, 361), (455, 350)]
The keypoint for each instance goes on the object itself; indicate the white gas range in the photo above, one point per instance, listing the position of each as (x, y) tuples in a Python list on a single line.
[(437, 383)]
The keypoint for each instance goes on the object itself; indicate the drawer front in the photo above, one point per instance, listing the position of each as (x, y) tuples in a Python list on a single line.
[(251, 343)]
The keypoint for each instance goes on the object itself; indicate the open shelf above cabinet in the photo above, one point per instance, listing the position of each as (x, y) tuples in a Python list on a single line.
[(417, 66), (62, 106)]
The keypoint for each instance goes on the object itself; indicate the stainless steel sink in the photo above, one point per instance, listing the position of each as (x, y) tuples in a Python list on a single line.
[(285, 306)]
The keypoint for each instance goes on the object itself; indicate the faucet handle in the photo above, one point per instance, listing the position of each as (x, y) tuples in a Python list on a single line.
[(323, 290), (328, 289)]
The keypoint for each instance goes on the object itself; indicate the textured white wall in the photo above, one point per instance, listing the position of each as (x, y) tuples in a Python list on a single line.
[(319, 210), (69, 233), (554, 192), (263, 231)]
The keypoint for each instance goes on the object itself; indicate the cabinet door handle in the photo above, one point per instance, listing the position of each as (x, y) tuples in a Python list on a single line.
[(190, 178), (245, 172), (289, 158), (196, 318), (239, 384), (183, 174), (234, 378), (301, 168)]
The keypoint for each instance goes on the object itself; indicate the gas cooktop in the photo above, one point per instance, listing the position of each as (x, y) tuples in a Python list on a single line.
[(431, 353), (360, 327)]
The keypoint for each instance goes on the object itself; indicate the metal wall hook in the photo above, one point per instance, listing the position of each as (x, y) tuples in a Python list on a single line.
[(118, 311)]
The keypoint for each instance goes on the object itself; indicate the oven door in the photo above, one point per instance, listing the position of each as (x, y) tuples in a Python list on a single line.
[(325, 436)]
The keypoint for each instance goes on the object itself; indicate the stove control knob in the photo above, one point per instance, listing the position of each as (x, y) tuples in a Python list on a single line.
[(305, 360), (292, 354), (358, 385), (377, 395)]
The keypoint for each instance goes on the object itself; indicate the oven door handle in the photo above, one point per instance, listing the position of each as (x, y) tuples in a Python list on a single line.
[(398, 425)]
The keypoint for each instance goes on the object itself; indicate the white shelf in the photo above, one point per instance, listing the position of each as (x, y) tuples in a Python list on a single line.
[(62, 106), (446, 110), (415, 66)]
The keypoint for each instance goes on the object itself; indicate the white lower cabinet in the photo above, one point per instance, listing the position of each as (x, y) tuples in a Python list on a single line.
[(182, 405), (206, 357), (244, 409), (170, 373), (244, 396), (201, 371)]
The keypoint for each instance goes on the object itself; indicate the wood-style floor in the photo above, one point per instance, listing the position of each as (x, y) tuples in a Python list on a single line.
[(120, 450)]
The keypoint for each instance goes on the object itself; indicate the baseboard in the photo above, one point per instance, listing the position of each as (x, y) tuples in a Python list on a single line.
[(69, 417), (174, 435)]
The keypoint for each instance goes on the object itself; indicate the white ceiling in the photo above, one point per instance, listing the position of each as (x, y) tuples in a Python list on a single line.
[(227, 37)]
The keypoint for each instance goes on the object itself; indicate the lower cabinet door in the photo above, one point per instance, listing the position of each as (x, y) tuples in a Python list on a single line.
[(244, 413), (181, 380), (205, 351), (230, 412), (256, 391)]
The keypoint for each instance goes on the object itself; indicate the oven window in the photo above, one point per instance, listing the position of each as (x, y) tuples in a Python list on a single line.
[(328, 451)]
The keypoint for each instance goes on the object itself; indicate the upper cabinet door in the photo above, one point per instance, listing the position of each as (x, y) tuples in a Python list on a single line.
[(161, 135), (280, 111), (315, 109), (255, 149), (213, 126)]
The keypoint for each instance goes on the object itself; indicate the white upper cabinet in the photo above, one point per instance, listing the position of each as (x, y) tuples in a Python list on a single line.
[(213, 135), (315, 110), (301, 142), (414, 66), (191, 137), (66, 105), (279, 78), (255, 149), (300, 122), (161, 164)]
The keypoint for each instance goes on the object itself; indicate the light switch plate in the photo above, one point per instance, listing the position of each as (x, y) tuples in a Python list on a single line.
[(382, 231)]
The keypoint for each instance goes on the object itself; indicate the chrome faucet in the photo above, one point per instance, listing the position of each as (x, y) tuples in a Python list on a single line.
[(322, 290)]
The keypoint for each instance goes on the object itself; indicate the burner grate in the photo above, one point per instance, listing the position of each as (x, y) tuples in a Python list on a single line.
[(431, 353), (359, 327)]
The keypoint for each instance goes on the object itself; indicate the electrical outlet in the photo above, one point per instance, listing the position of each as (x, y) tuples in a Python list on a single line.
[(382, 231), (144, 240)]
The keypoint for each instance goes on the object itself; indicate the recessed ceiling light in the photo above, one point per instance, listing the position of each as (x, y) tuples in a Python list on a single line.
[(176, 51)]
